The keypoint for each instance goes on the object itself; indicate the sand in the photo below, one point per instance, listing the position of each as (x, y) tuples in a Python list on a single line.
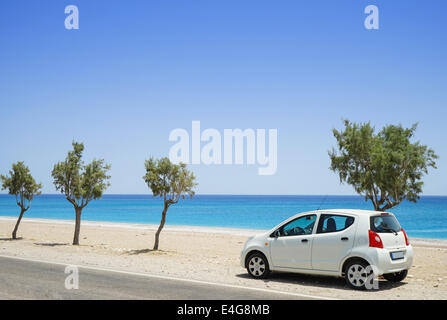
[(201, 253)]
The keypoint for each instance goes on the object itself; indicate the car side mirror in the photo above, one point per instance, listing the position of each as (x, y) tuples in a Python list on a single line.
[(276, 234)]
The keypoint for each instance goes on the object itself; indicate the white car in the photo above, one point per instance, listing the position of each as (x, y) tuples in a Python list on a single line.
[(338, 242)]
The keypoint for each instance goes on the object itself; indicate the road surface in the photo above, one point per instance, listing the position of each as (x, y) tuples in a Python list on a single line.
[(25, 279)]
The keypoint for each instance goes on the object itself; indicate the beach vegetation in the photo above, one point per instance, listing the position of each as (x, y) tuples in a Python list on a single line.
[(80, 183), (386, 167), (169, 181), (21, 184)]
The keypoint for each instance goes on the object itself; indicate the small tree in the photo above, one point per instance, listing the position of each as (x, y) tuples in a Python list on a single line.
[(170, 182), (80, 183), (385, 167), (22, 185)]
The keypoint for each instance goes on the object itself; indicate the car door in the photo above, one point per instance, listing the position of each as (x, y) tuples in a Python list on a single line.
[(292, 245), (334, 239)]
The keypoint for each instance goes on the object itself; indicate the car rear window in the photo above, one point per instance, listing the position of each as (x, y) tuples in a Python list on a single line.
[(338, 223), (385, 223)]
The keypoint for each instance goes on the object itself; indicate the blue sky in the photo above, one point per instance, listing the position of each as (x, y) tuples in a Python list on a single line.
[(135, 70)]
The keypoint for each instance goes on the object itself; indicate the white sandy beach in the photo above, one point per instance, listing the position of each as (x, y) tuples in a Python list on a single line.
[(202, 253)]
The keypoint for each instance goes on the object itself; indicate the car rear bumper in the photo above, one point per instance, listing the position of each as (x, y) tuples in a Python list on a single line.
[(383, 262)]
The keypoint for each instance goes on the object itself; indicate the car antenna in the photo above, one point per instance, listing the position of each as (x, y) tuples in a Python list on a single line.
[(322, 202)]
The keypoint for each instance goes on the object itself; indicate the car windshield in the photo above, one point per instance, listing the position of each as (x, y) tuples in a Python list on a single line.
[(385, 223)]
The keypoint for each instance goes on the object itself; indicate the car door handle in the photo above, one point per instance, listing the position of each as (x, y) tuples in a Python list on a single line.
[(304, 240), (344, 239)]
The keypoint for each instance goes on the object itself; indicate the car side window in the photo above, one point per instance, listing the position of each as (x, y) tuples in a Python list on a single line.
[(301, 226), (334, 223)]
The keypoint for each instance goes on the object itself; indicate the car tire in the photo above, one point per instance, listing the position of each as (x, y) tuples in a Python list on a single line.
[(357, 273), (396, 276), (258, 266)]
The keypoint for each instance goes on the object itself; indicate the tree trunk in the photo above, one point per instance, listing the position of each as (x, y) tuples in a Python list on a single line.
[(162, 223), (77, 226), (14, 233)]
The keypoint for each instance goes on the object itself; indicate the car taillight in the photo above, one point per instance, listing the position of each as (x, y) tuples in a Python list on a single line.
[(407, 242), (374, 240)]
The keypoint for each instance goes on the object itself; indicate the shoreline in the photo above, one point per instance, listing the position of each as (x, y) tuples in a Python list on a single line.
[(144, 226), (426, 242)]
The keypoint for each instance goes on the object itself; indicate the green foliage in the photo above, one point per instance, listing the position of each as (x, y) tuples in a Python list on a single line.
[(169, 181), (385, 167), (80, 183), (21, 184)]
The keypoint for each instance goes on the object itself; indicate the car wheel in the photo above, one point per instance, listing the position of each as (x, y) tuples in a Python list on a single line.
[(357, 274), (396, 276), (258, 266)]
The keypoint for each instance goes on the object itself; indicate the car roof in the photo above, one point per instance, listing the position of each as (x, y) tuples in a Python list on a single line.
[(351, 211)]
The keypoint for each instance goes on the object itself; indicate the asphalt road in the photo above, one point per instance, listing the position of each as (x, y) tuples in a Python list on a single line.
[(23, 279)]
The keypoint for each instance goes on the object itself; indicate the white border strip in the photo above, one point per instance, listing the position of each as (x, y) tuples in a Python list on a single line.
[(174, 279)]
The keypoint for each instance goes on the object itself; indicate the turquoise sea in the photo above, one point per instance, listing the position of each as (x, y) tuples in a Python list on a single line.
[(425, 219)]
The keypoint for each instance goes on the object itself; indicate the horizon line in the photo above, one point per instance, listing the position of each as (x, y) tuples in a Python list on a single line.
[(230, 194)]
